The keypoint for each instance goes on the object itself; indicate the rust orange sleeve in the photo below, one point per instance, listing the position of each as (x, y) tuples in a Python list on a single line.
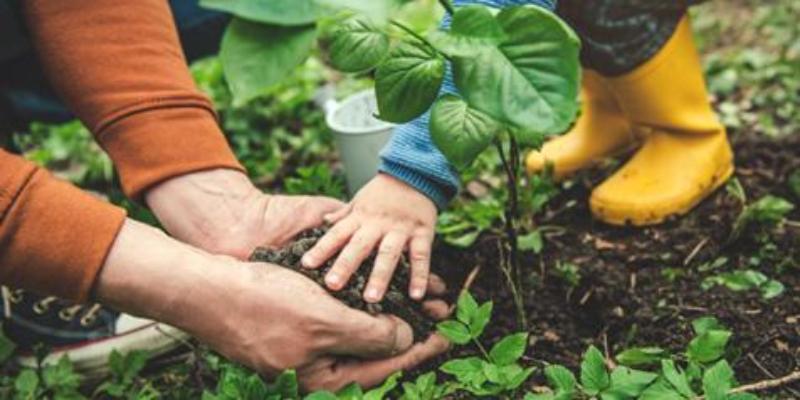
[(54, 238), (120, 68)]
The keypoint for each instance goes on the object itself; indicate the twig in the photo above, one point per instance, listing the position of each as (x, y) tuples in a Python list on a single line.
[(471, 278), (764, 385), (768, 384), (695, 251)]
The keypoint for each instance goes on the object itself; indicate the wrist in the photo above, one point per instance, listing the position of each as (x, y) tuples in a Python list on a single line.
[(206, 208)]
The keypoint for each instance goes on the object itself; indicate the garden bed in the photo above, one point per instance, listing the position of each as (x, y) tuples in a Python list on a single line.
[(643, 287)]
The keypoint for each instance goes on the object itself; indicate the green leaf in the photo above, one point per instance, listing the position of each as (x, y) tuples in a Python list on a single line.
[(472, 27), (534, 74), (531, 242), (639, 356), (27, 384), (408, 81), (676, 378), (562, 380), (508, 350), (772, 289), (627, 383), (454, 331), (278, 12), (705, 324), (355, 45), (708, 347), (594, 375), (661, 390), (514, 381), (255, 57), (466, 308), (463, 241), (461, 132), (286, 385), (380, 392), (351, 392), (377, 10), (480, 319), (324, 395), (466, 370), (718, 380)]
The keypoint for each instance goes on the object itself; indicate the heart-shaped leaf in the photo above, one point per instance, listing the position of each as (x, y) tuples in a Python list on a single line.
[(257, 56), (408, 82), (461, 133), (473, 26), (278, 12), (534, 74), (354, 44)]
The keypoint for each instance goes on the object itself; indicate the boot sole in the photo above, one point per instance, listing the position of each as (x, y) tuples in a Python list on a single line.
[(653, 219)]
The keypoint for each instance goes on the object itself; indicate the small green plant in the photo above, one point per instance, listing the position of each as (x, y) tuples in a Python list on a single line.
[(767, 211), (497, 370), (317, 179), (746, 279), (568, 272), (461, 226)]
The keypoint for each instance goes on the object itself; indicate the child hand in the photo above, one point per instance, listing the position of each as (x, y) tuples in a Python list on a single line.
[(387, 214)]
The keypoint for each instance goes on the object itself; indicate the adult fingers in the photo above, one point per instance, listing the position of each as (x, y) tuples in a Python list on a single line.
[(355, 252), (327, 246), (389, 253), (359, 334), (436, 285), (437, 309), (334, 375), (419, 253)]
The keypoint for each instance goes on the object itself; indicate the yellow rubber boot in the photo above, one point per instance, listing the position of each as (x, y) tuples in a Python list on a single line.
[(600, 132), (685, 155)]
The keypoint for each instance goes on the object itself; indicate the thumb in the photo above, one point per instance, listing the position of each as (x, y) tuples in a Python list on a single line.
[(362, 335)]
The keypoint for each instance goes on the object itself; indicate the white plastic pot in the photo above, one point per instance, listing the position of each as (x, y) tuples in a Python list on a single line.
[(359, 136)]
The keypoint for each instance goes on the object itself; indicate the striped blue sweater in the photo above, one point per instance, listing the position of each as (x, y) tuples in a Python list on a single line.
[(411, 155)]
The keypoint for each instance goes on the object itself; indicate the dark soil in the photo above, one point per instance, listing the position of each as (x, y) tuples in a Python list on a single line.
[(396, 300), (624, 297)]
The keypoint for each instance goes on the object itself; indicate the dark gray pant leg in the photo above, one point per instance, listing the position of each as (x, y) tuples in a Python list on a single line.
[(620, 35)]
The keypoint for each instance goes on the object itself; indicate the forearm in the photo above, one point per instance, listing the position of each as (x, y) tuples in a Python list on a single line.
[(151, 275), (53, 236), (122, 71), (412, 157)]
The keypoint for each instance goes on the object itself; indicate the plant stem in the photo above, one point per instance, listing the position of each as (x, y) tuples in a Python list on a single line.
[(447, 6), (483, 350), (511, 167)]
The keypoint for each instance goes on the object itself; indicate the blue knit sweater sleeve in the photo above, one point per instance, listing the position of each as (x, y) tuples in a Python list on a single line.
[(412, 157)]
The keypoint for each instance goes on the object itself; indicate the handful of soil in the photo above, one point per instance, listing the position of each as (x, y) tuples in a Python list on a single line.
[(396, 300)]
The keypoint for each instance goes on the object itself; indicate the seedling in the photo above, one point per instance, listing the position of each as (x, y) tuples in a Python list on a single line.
[(516, 71), (497, 370), (767, 211)]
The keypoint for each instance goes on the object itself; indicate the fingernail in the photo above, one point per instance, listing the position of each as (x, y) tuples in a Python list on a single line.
[(372, 294), (417, 293), (404, 338), (332, 280)]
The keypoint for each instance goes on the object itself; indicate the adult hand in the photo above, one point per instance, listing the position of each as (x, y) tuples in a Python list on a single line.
[(387, 214), (266, 317), (222, 212)]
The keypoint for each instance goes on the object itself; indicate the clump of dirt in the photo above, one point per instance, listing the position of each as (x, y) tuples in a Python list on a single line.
[(396, 300)]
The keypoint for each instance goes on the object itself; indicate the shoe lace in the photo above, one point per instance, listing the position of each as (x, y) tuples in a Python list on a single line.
[(88, 313)]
